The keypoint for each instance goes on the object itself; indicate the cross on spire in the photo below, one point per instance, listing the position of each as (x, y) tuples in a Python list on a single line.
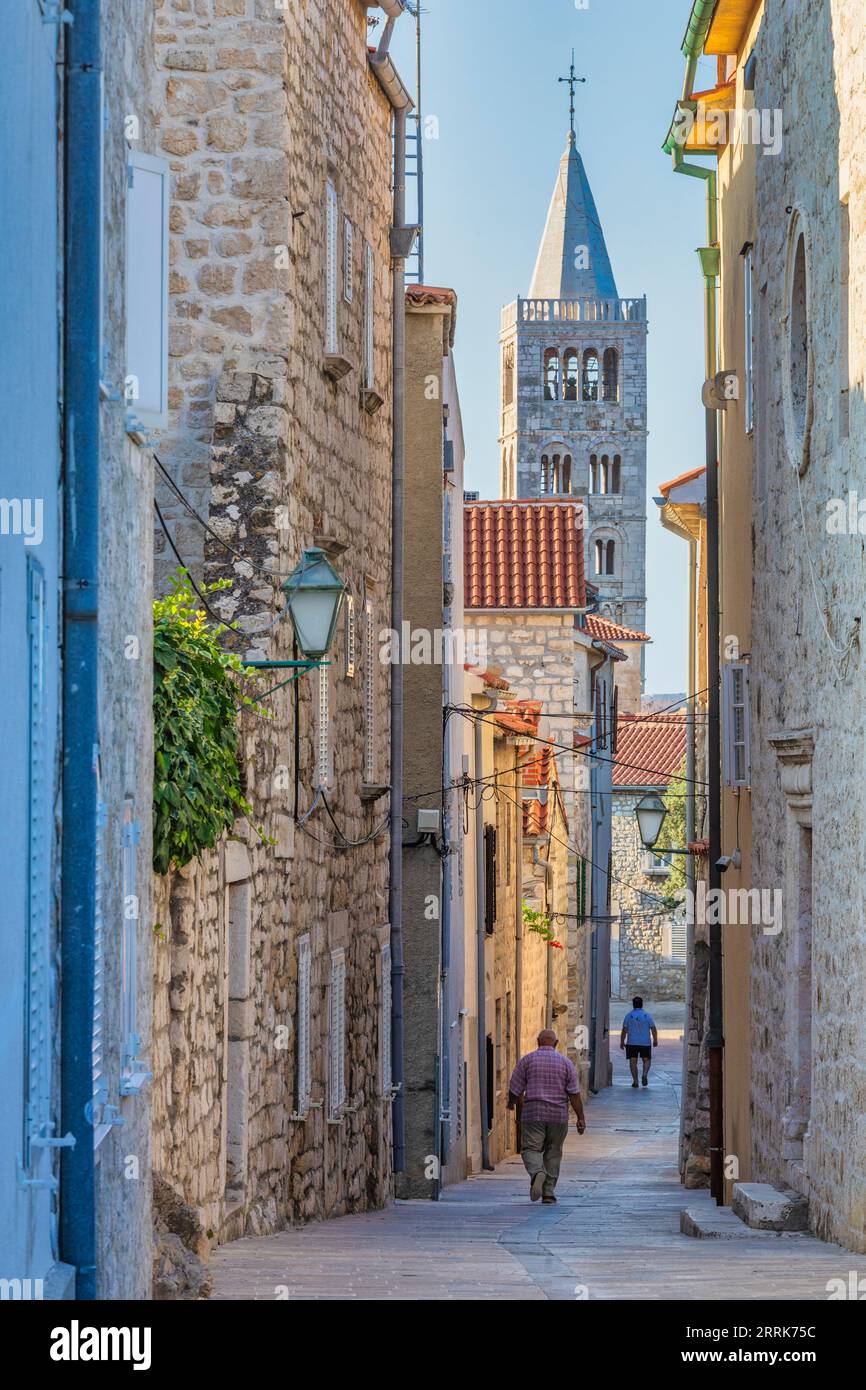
[(572, 83)]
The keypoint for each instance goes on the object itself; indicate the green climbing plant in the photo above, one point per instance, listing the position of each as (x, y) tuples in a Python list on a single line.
[(541, 925), (674, 833), (197, 783)]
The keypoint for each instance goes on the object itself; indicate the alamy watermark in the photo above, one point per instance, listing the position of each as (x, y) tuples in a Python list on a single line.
[(22, 516)]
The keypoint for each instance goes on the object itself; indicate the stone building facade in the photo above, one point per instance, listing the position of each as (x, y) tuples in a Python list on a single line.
[(808, 982), (272, 990), (573, 394)]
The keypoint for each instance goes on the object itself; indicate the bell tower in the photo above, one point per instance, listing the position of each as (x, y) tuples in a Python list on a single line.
[(573, 391)]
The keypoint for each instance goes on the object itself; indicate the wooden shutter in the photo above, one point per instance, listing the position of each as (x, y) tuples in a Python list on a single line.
[(302, 1029), (489, 877), (736, 723), (337, 1035), (37, 1065), (331, 269), (348, 255), (369, 316), (146, 386), (385, 1021), (369, 695)]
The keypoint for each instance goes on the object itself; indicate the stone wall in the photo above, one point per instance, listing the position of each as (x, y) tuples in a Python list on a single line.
[(646, 965), (278, 455), (809, 981)]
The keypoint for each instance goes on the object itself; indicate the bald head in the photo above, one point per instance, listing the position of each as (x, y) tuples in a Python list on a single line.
[(547, 1038)]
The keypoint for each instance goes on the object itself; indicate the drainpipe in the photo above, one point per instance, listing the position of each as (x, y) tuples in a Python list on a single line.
[(691, 708), (83, 212), (401, 243), (696, 32)]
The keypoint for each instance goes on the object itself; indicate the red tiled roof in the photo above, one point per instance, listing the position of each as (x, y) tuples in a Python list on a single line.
[(526, 554), (420, 296), (683, 478), (582, 740), (536, 816), (535, 772), (490, 679), (597, 626), (648, 749)]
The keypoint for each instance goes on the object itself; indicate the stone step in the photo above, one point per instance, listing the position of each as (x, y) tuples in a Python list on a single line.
[(719, 1223), (767, 1208)]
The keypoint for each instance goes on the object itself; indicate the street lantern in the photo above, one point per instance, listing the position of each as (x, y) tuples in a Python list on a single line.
[(314, 596), (650, 812)]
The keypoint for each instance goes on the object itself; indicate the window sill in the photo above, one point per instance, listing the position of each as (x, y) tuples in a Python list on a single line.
[(371, 401), (374, 791), (336, 366)]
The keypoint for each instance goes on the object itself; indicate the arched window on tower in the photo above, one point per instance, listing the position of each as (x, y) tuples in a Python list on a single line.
[(616, 474), (551, 375), (610, 375), (605, 557), (565, 475), (590, 375), (544, 484), (504, 485), (508, 374), (572, 373), (593, 473), (604, 475), (610, 557)]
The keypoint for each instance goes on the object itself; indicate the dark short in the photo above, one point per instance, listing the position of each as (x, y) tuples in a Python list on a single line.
[(637, 1050)]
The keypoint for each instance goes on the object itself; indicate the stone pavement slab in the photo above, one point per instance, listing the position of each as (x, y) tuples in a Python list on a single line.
[(614, 1233)]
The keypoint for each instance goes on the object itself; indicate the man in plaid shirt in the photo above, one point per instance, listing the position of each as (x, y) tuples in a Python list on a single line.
[(542, 1086)]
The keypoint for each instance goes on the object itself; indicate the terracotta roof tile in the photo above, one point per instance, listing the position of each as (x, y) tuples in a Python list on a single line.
[(597, 626), (648, 749), (688, 477), (420, 296), (524, 554), (536, 816), (490, 679)]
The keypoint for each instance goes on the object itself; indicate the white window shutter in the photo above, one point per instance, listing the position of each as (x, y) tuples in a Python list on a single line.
[(385, 1021), (331, 270), (736, 726), (369, 695), (100, 1085), (146, 384), (369, 317), (348, 260), (134, 1072), (337, 1035), (323, 732), (302, 1032)]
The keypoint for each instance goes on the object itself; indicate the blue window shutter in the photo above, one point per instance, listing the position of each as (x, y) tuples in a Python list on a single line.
[(100, 1087), (38, 1018), (146, 385)]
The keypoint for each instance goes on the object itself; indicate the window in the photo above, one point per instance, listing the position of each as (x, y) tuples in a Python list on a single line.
[(748, 330), (551, 375), (331, 270), (37, 1035), (736, 723), (324, 750), (369, 316), (572, 372), (593, 473), (385, 1021), (348, 267), (302, 1029), (605, 557), (555, 474), (616, 474), (369, 694), (657, 865), (604, 475), (147, 202), (337, 1035), (508, 374), (610, 375), (590, 375), (500, 1063)]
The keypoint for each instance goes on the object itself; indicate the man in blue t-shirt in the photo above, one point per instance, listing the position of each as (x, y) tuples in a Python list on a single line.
[(637, 1027)]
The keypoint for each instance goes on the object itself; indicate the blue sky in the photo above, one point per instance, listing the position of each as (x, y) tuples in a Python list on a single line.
[(489, 76)]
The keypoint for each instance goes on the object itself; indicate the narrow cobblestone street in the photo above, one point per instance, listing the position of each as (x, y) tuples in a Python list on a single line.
[(613, 1235)]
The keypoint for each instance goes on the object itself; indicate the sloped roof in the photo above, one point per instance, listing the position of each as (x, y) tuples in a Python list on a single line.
[(536, 816), (572, 222), (608, 631), (649, 748), (524, 554)]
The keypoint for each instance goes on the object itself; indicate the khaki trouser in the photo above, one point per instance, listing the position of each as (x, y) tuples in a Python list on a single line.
[(541, 1147)]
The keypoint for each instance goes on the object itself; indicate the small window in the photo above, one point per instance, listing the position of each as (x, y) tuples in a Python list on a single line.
[(610, 377), (748, 331), (508, 374), (616, 474), (331, 269), (348, 262), (657, 865), (593, 473), (572, 374), (147, 202), (551, 375), (302, 1029), (337, 1035), (736, 723), (489, 878), (605, 556), (590, 375)]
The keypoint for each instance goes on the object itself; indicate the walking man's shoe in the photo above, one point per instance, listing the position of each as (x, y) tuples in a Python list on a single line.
[(637, 1027), (634, 1085), (548, 1201), (542, 1086)]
